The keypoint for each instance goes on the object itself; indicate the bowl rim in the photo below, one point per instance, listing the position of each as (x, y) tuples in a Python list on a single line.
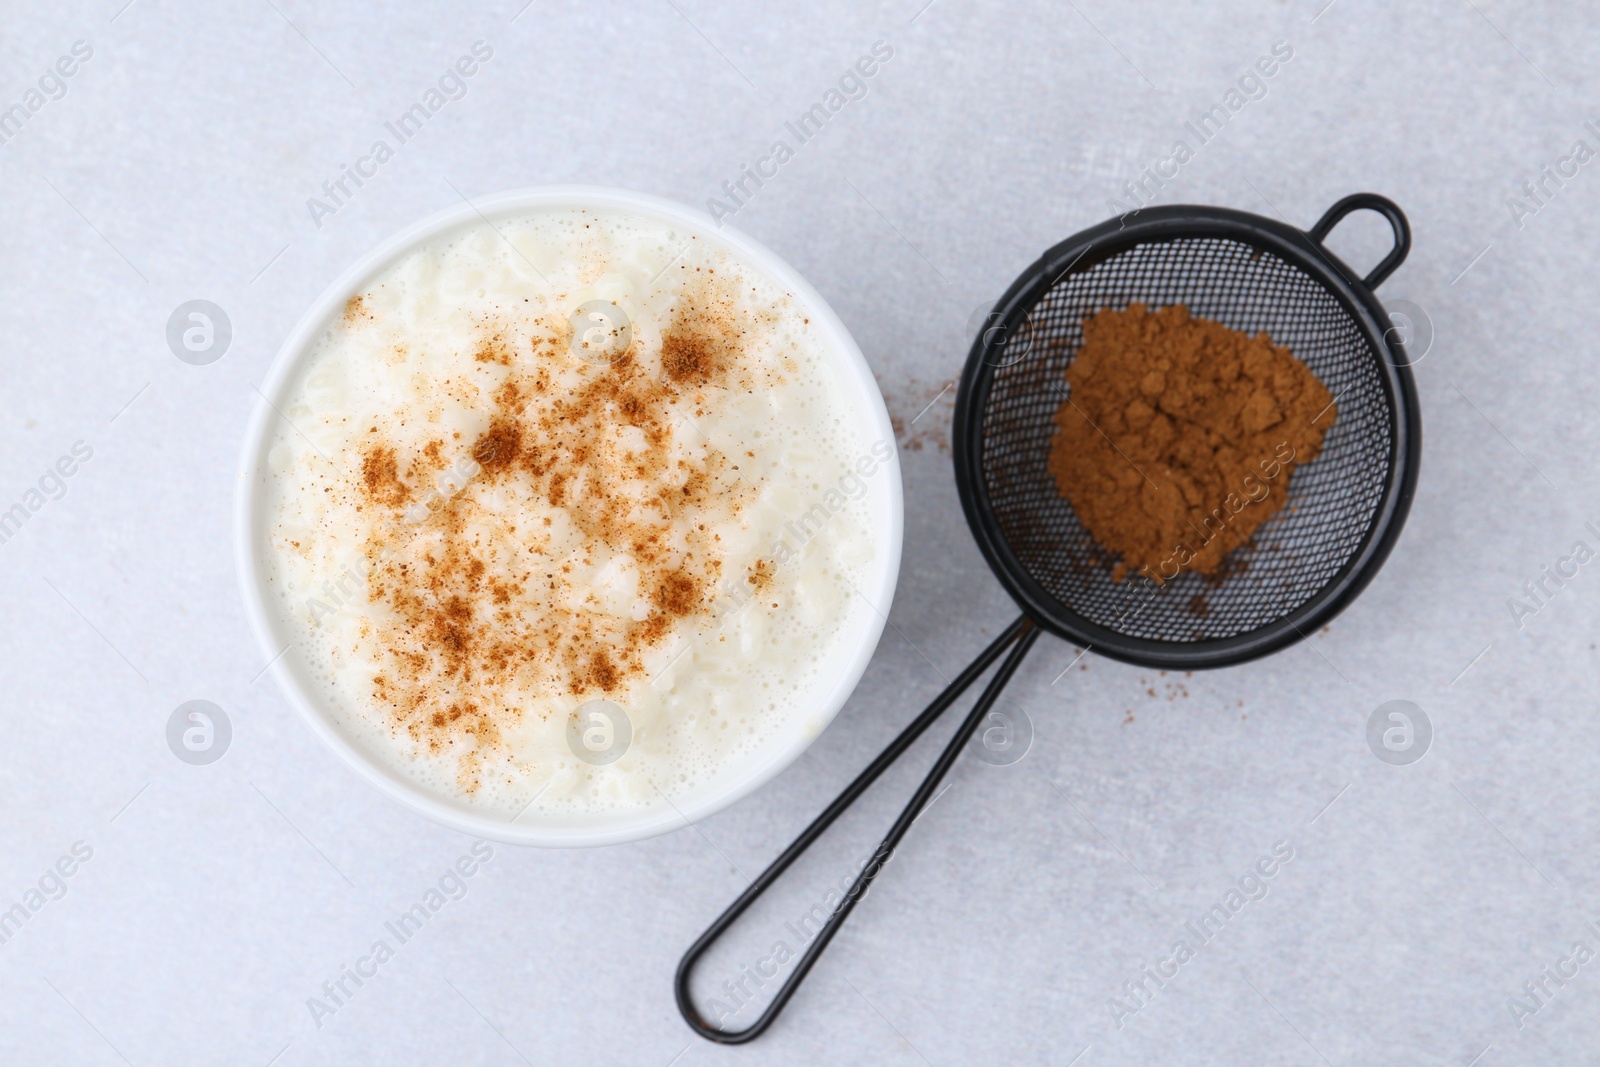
[(805, 726)]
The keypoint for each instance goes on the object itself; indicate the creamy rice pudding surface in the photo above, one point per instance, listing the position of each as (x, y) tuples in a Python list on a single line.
[(576, 456)]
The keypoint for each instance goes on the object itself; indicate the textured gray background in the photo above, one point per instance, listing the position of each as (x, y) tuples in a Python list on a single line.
[(220, 897)]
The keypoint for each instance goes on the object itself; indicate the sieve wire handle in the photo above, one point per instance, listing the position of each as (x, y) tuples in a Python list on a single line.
[(1383, 206), (1022, 635)]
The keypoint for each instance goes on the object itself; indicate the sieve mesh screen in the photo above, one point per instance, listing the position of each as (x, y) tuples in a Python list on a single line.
[(1332, 501)]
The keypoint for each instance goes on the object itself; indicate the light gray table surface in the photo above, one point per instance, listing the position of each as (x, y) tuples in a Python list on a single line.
[(217, 900)]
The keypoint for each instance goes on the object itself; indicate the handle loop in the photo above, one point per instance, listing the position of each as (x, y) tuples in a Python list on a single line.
[(1022, 633), (1383, 206)]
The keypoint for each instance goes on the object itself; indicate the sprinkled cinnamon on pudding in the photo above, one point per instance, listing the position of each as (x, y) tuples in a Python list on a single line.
[(583, 458)]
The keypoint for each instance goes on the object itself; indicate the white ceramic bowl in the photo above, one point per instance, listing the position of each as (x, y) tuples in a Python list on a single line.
[(863, 627)]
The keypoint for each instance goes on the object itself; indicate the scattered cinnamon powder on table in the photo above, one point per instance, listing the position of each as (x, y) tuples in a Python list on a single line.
[(1179, 435)]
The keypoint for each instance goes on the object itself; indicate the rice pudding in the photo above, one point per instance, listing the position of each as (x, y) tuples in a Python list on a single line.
[(567, 513)]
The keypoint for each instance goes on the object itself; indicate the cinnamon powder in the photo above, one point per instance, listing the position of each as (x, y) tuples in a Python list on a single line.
[(467, 617), (1179, 435)]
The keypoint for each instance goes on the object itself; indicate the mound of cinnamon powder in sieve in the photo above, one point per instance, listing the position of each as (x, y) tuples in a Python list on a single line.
[(1178, 437)]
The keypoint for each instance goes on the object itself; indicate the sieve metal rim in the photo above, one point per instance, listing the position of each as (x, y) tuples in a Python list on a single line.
[(1297, 248)]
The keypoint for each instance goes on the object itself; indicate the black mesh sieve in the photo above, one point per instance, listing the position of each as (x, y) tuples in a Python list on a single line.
[(1249, 274), (1345, 508)]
